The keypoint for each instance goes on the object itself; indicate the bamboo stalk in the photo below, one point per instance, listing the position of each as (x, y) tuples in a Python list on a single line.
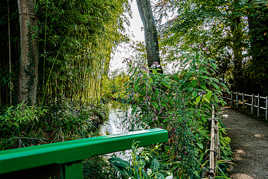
[(212, 161), (218, 141)]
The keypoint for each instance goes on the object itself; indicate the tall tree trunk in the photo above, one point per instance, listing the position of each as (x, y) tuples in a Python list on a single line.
[(237, 36), (150, 33), (9, 53), (29, 52), (0, 97), (258, 31)]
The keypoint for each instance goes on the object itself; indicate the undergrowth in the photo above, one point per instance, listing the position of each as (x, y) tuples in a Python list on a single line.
[(23, 125), (181, 103)]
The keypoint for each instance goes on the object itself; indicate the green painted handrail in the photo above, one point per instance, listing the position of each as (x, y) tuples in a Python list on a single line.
[(69, 154)]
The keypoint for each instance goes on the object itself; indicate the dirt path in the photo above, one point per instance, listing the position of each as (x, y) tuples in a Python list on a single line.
[(249, 145)]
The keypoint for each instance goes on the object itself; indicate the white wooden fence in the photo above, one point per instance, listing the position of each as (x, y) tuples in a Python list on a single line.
[(254, 101)]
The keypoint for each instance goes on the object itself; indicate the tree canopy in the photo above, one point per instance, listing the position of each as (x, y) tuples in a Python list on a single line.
[(231, 32)]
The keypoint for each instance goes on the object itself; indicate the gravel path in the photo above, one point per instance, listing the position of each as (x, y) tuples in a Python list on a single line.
[(249, 145)]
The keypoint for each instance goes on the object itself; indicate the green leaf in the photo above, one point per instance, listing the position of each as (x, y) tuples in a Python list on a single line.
[(207, 96), (200, 145), (118, 162), (197, 100), (194, 94), (160, 176), (194, 83), (155, 165)]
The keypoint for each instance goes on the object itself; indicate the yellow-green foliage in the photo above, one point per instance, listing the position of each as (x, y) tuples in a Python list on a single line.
[(115, 88), (76, 41)]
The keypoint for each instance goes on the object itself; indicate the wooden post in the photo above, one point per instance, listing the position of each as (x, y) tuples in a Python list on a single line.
[(243, 100), (212, 147), (258, 106), (231, 99), (252, 104), (236, 98), (266, 108)]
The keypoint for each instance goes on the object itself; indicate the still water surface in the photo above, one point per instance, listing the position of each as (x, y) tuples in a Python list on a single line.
[(119, 122)]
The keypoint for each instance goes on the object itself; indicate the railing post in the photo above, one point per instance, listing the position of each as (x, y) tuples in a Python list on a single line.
[(258, 106), (266, 108), (73, 170), (212, 157), (243, 100), (231, 98), (236, 98), (252, 104)]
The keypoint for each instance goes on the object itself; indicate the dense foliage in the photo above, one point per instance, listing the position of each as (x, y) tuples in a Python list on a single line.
[(75, 38), (230, 31), (180, 103), (23, 126), (75, 42), (114, 88), (212, 44)]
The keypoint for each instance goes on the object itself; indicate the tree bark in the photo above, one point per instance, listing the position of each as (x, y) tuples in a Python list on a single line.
[(258, 32), (237, 50), (237, 36), (150, 33), (9, 54), (28, 77)]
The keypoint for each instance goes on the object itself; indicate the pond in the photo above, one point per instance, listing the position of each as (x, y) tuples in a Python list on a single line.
[(119, 122)]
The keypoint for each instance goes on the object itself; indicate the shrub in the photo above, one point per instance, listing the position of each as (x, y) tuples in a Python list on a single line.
[(24, 125), (181, 103)]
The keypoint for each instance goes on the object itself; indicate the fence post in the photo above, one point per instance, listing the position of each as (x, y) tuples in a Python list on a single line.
[(252, 104), (243, 100), (266, 108), (258, 106), (236, 98), (231, 98)]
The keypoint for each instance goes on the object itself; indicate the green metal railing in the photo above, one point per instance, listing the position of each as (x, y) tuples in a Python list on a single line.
[(64, 159)]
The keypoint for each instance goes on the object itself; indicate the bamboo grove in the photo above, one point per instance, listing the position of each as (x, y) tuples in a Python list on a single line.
[(60, 49)]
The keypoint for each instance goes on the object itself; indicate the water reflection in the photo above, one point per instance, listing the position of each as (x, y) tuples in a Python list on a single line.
[(119, 122)]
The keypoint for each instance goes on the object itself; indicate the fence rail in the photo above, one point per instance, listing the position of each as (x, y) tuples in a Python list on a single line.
[(214, 154), (252, 100), (63, 160)]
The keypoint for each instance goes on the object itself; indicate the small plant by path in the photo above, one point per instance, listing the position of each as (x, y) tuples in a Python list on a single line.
[(249, 145)]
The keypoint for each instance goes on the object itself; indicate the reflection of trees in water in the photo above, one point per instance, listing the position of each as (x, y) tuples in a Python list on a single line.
[(119, 121)]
